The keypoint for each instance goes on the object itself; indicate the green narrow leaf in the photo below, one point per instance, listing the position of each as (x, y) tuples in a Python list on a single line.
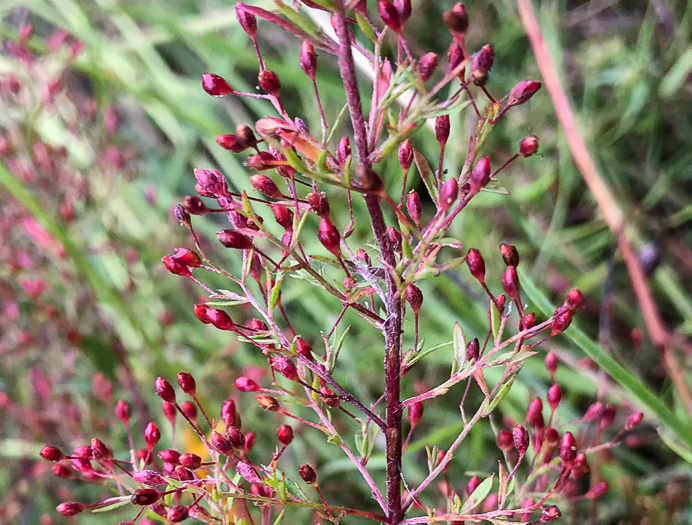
[(426, 175), (365, 27), (504, 389), (124, 501), (459, 342), (495, 320), (302, 22), (478, 495), (276, 291)]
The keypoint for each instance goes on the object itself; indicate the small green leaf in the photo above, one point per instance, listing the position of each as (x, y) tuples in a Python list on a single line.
[(495, 320), (121, 503), (276, 292), (426, 175), (365, 27), (478, 495), (504, 389), (302, 22), (459, 341)]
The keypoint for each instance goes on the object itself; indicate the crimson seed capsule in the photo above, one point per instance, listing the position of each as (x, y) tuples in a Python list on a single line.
[(633, 420), (284, 434), (415, 413), (308, 60), (231, 143), (269, 82), (505, 441), (521, 439), (480, 175), (52, 454), (329, 237), (476, 264), (175, 266), (233, 239), (528, 146), (164, 390), (145, 497), (481, 64), (472, 349), (510, 282), (71, 508), (413, 206), (100, 450), (448, 193), (414, 297), (228, 413), (307, 474), (215, 85), (554, 396), (152, 435), (405, 155), (426, 66), (285, 367), (522, 92)]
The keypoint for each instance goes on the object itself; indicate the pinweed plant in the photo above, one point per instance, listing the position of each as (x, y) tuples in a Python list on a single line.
[(372, 271)]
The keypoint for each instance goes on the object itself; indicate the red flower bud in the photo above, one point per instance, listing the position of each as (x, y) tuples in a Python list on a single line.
[(248, 472), (413, 206), (283, 216), (189, 409), (574, 299), (521, 439), (534, 413), (457, 21), (269, 82), (427, 65), (152, 435), (522, 92), (551, 436), (100, 450), (390, 15), (550, 514), (405, 155), (472, 485), (343, 150), (231, 143), (52, 453), (448, 193), (168, 455), (284, 434), (266, 186), (404, 9), (414, 297), (149, 478), (249, 441), (235, 436), (528, 146), (285, 367), (145, 497), (442, 129), (594, 412), (554, 396), (597, 490), (307, 474), (510, 282), (415, 413), (633, 420), (188, 257), (480, 175), (177, 513), (476, 264), (62, 472), (194, 205), (210, 183), (247, 20), (472, 349), (221, 444), (187, 383), (71, 508), (608, 416), (267, 402), (329, 237), (509, 254), (308, 60), (481, 64), (190, 460), (505, 440), (560, 322), (551, 363), (233, 239), (175, 266), (215, 85), (164, 390), (568, 448), (245, 384), (228, 413), (319, 204), (527, 322)]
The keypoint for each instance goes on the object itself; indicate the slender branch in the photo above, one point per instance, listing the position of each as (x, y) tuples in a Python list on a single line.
[(393, 324)]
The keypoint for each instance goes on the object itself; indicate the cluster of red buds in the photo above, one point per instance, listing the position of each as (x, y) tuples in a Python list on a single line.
[(275, 228)]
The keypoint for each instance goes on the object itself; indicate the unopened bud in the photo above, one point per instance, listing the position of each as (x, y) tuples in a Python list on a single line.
[(427, 65), (568, 448), (319, 204), (476, 264), (634, 420), (510, 282), (267, 402), (405, 155), (415, 413), (194, 205), (594, 412), (509, 254), (308, 60), (343, 150), (52, 454), (235, 436), (481, 64), (414, 297), (329, 237), (457, 21), (304, 348), (550, 514), (285, 367), (169, 455), (472, 485), (554, 396), (145, 497), (521, 439), (534, 413), (528, 146), (190, 460), (472, 349), (505, 440), (561, 322), (307, 474), (448, 193), (177, 513), (284, 434), (100, 450), (551, 363), (190, 410), (609, 412), (164, 390), (527, 322), (266, 186), (597, 490), (522, 92), (149, 478), (175, 266), (215, 85), (390, 15), (152, 435), (71, 508), (480, 175), (247, 20), (228, 413), (233, 239), (551, 436), (413, 206), (248, 472), (442, 129), (245, 384), (574, 299), (231, 143), (187, 383), (269, 82), (221, 444)]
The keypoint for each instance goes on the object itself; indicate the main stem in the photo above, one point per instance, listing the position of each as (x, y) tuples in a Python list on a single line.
[(392, 326)]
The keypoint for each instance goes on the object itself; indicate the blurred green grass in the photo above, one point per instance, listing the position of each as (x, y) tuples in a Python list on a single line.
[(627, 70)]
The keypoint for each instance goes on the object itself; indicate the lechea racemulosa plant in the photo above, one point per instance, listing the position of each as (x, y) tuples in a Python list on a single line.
[(295, 172)]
